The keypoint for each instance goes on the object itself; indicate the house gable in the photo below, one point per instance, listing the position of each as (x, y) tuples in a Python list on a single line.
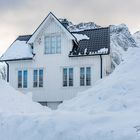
[(46, 21)]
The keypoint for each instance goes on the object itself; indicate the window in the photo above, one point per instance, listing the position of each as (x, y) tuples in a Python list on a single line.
[(88, 76), (22, 78), (52, 44), (41, 78), (70, 76), (38, 78), (85, 76), (67, 77), (64, 77), (25, 74), (35, 78), (82, 76)]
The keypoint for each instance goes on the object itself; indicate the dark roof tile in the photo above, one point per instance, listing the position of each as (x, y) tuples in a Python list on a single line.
[(98, 39)]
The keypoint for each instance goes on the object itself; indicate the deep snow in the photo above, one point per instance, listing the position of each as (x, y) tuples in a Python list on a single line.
[(13, 101), (108, 111)]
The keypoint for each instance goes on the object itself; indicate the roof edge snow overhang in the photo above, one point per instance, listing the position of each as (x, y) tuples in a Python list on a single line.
[(87, 55), (16, 59)]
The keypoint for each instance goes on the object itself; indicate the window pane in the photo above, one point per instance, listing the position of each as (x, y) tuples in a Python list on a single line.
[(58, 48), (19, 79), (88, 76), (35, 76), (82, 76), (47, 45), (70, 76), (53, 44), (25, 79), (40, 78), (64, 77)]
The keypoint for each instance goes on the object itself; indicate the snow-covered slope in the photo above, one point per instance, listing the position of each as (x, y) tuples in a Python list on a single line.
[(121, 39), (108, 111), (137, 37), (13, 101), (118, 92)]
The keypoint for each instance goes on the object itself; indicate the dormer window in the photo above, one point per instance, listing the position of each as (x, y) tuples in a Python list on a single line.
[(52, 44)]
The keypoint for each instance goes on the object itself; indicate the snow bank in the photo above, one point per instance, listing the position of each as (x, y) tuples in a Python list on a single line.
[(108, 111), (18, 50), (13, 101), (118, 92)]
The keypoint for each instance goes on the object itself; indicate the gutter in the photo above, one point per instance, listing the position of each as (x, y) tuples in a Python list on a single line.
[(101, 67)]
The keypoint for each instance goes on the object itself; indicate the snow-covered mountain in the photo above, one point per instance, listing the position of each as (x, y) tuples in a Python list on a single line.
[(83, 26), (121, 39), (78, 27), (137, 37)]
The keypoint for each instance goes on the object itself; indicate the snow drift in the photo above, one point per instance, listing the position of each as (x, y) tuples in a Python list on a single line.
[(108, 111), (13, 101)]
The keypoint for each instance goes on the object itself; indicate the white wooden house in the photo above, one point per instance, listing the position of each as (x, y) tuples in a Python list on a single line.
[(55, 64)]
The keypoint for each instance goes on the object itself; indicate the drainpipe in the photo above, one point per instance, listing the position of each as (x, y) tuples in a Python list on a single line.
[(7, 71), (101, 67)]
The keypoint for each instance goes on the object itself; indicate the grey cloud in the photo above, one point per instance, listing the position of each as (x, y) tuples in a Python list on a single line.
[(23, 16)]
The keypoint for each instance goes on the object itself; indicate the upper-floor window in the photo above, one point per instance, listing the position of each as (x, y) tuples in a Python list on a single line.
[(22, 79), (67, 77), (52, 44), (38, 78), (85, 76)]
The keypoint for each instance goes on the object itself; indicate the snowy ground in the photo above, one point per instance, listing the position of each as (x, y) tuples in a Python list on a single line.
[(107, 112)]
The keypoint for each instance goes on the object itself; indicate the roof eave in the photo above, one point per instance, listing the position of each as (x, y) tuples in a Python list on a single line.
[(19, 59), (87, 55)]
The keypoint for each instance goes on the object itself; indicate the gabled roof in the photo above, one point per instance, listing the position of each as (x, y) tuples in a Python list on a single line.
[(97, 42), (19, 50), (86, 42), (50, 15)]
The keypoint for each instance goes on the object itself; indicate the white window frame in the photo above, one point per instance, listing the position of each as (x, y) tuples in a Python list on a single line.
[(38, 78), (50, 44), (22, 79), (85, 76), (68, 77)]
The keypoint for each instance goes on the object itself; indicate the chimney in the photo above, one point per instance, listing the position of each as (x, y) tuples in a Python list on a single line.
[(65, 22)]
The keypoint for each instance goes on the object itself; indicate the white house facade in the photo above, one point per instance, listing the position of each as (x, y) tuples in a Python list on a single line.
[(55, 64)]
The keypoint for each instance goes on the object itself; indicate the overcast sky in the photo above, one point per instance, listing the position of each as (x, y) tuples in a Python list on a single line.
[(19, 17)]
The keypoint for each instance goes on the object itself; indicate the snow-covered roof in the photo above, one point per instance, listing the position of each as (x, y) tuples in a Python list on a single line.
[(92, 42), (80, 36), (18, 50)]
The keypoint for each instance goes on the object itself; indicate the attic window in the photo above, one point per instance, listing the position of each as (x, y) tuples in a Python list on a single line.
[(52, 44)]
